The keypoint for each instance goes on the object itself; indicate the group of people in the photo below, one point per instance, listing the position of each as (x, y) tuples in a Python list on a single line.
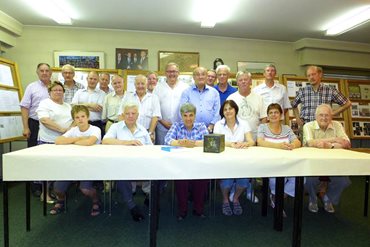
[(171, 112)]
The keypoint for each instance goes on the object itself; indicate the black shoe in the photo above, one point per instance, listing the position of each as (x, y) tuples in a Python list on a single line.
[(201, 216), (146, 200), (136, 214), (181, 217), (36, 189)]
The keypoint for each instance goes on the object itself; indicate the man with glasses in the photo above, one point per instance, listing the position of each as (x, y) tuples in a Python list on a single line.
[(223, 87), (169, 94), (70, 85)]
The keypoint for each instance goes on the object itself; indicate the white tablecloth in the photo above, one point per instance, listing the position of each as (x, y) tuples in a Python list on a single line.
[(110, 162)]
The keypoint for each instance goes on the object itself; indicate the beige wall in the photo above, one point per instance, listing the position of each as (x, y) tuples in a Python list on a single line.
[(37, 44)]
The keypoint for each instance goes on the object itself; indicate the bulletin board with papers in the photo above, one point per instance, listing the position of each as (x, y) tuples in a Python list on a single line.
[(10, 96)]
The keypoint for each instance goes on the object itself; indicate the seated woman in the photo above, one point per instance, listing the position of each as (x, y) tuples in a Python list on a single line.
[(83, 134), (129, 133), (276, 135), (188, 134), (237, 135)]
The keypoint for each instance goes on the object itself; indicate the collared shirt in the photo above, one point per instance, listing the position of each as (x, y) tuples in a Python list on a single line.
[(312, 131), (58, 113), (84, 96), (34, 94), (169, 100), (276, 94), (237, 134), (179, 131), (70, 92), (121, 132), (286, 135), (148, 107), (109, 90), (91, 131), (251, 110), (207, 103), (111, 106), (310, 100), (224, 95)]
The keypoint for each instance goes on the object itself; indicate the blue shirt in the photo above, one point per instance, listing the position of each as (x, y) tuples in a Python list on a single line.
[(178, 131), (223, 95), (121, 132), (207, 103)]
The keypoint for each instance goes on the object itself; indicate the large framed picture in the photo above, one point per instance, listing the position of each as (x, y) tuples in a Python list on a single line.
[(187, 61), (133, 59), (79, 59)]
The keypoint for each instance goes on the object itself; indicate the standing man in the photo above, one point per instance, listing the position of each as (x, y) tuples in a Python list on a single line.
[(205, 98), (211, 77), (143, 63), (127, 63), (152, 81), (104, 80), (325, 133), (169, 94), (93, 98), (223, 87), (70, 85), (271, 91), (314, 95), (35, 92)]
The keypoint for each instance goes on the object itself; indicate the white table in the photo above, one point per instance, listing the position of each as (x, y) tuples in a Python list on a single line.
[(103, 162)]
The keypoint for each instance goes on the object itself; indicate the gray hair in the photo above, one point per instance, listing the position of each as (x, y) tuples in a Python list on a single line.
[(324, 106), (188, 107), (317, 68), (223, 67), (130, 104), (68, 66), (270, 66), (141, 77), (240, 73)]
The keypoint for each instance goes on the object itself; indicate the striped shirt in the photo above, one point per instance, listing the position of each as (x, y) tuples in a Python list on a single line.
[(178, 131), (286, 135)]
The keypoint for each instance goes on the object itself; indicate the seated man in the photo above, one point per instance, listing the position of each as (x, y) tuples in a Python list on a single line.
[(325, 133), (188, 134), (128, 132), (86, 135)]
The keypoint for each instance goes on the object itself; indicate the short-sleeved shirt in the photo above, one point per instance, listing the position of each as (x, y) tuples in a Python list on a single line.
[(34, 94), (312, 131), (207, 103), (111, 106), (91, 131), (84, 96), (70, 92), (310, 100), (148, 107), (58, 113), (178, 131), (235, 135), (251, 109), (121, 132), (223, 95), (286, 135)]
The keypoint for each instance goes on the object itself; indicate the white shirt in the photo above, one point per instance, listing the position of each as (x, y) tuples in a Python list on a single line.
[(251, 110), (276, 94), (121, 132), (112, 106), (58, 113), (235, 135), (91, 131), (169, 100), (148, 107), (84, 96)]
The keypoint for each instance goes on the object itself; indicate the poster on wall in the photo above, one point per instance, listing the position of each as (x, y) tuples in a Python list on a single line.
[(79, 59), (133, 59)]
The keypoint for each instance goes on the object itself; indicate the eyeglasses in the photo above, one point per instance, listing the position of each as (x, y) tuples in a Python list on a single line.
[(172, 71), (57, 90)]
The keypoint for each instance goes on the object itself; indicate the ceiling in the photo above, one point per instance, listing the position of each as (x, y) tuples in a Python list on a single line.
[(280, 20)]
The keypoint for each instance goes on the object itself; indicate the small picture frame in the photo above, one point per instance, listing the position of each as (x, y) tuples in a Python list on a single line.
[(187, 61), (79, 59)]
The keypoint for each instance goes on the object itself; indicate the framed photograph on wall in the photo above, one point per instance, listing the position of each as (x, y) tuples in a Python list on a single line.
[(79, 59), (252, 67), (133, 59), (187, 61)]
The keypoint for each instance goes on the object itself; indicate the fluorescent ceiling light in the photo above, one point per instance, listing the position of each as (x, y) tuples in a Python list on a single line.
[(54, 9), (349, 21)]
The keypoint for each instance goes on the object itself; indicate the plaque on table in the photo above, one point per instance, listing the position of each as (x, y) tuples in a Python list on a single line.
[(214, 143)]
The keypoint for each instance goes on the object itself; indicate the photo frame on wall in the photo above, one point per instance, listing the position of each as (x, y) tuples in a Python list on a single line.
[(187, 61), (133, 59), (252, 67), (79, 59)]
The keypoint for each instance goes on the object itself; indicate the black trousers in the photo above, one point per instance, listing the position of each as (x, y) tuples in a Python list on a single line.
[(34, 128)]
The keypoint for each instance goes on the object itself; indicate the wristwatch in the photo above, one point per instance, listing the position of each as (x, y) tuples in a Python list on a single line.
[(332, 145)]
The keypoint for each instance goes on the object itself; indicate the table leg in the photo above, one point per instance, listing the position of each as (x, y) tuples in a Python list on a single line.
[(153, 212), (6, 214), (297, 217), (366, 202), (28, 206), (265, 192), (279, 204), (45, 193)]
